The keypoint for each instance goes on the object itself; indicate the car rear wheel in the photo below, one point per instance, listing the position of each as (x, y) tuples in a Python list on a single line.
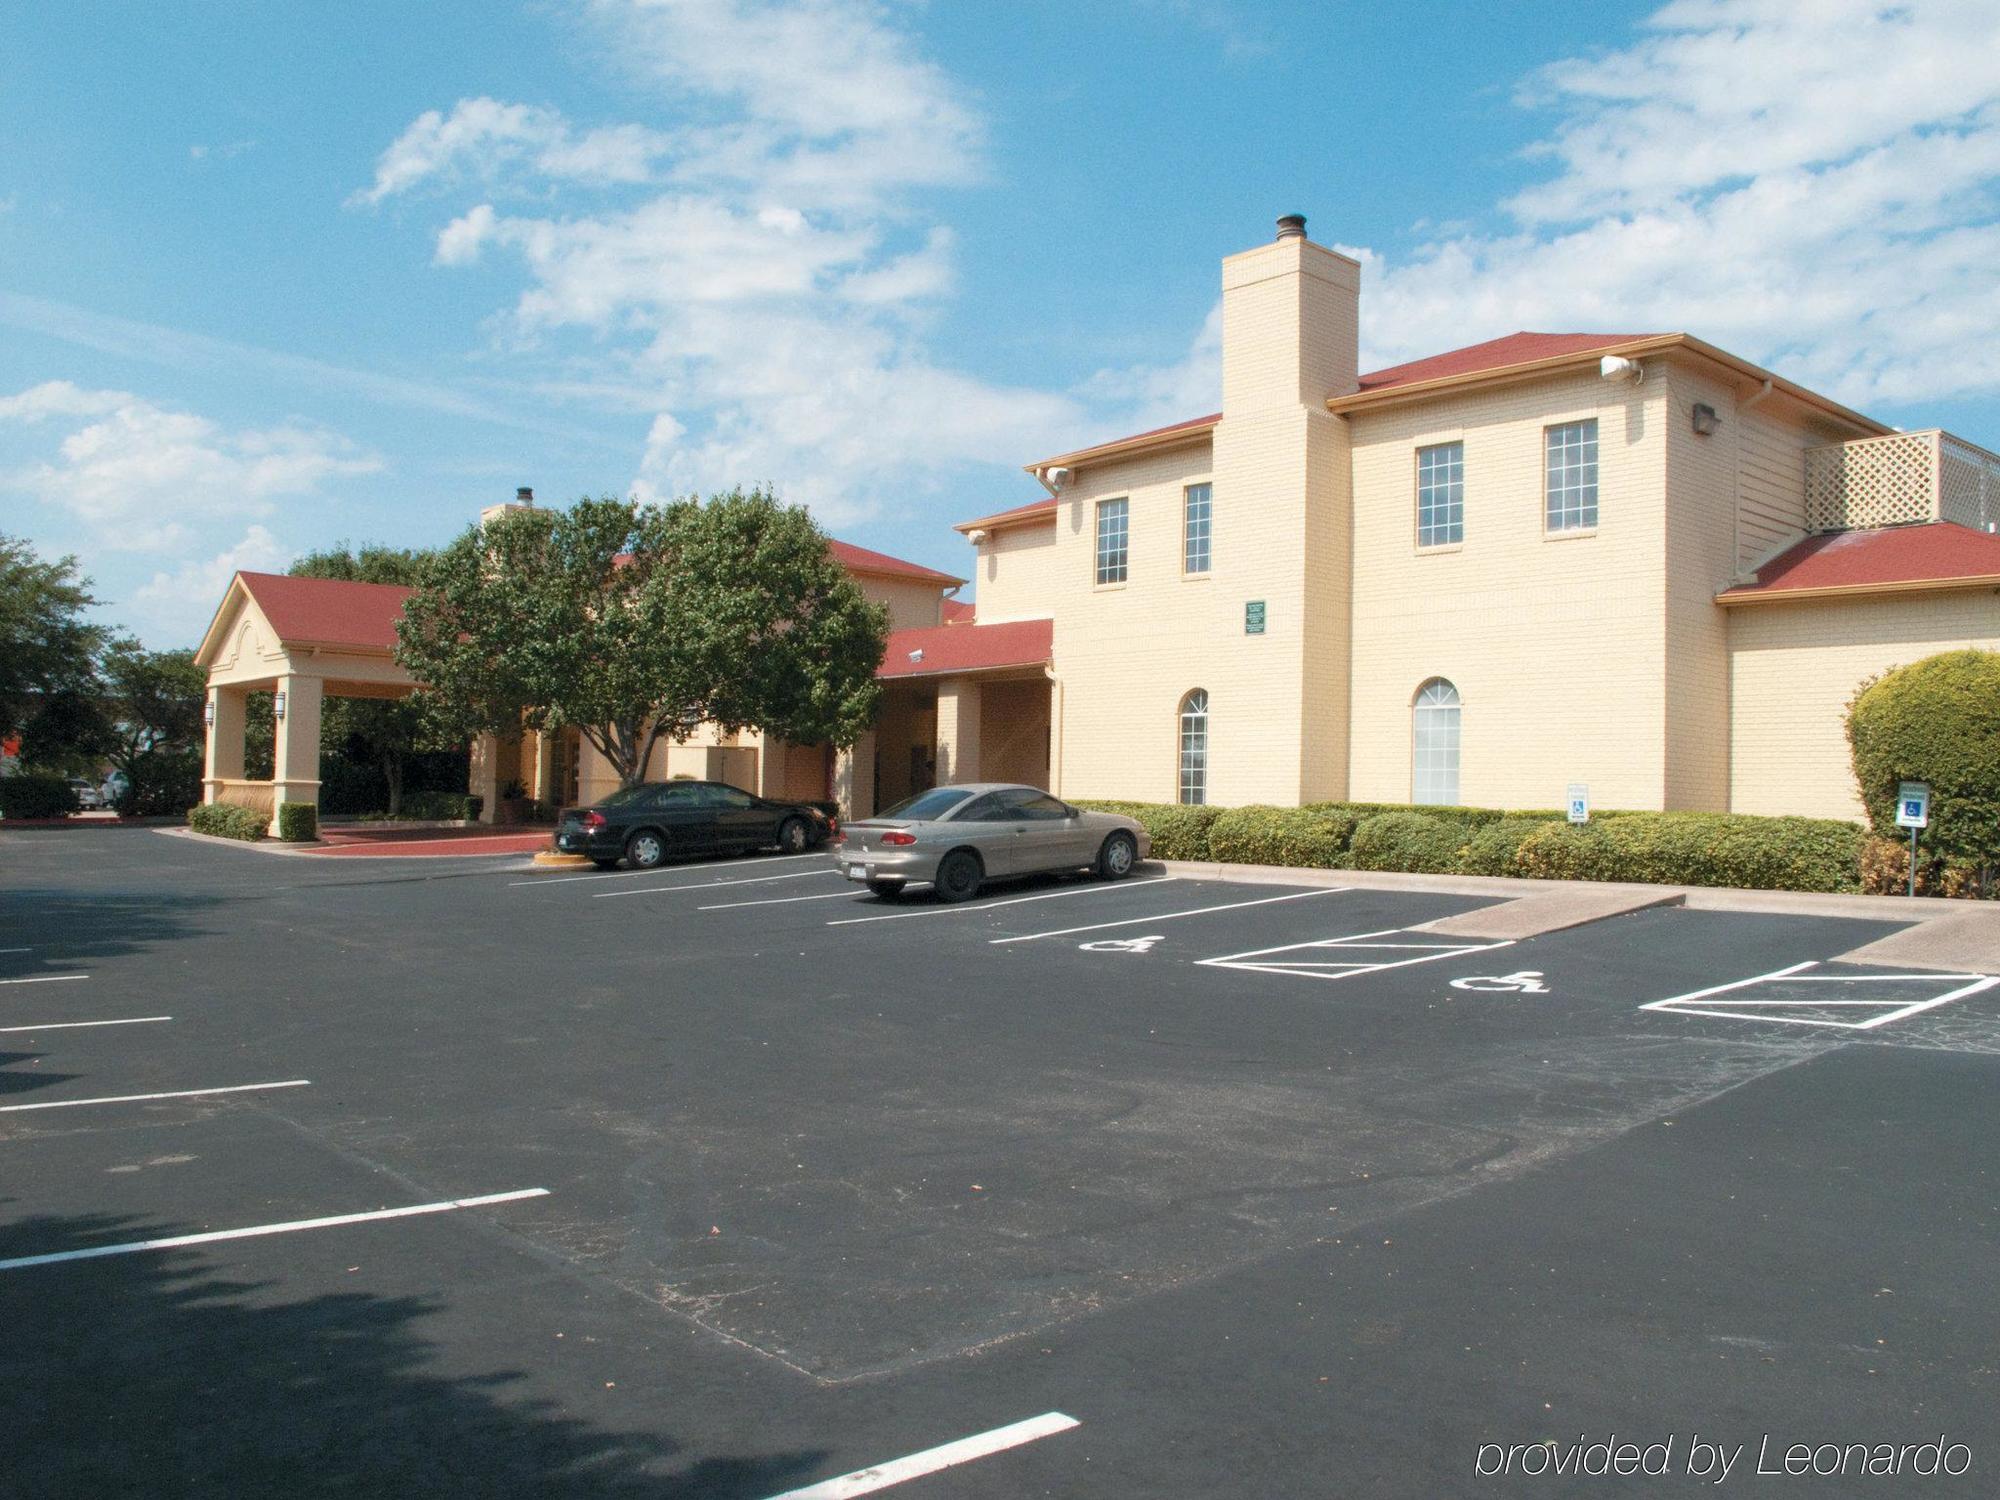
[(793, 836), (646, 850), (1116, 858), (958, 876), (888, 890)]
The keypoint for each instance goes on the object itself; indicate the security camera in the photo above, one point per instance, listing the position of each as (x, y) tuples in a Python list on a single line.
[(1612, 367), (1060, 477), (976, 536)]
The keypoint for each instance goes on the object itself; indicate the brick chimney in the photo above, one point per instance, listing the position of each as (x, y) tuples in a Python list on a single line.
[(1291, 323)]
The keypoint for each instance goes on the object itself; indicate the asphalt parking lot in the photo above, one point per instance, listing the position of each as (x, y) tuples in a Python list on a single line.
[(732, 1180)]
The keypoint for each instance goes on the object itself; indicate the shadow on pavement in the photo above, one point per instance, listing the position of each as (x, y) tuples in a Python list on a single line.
[(147, 1374)]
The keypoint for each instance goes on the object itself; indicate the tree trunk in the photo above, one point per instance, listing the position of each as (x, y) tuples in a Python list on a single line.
[(392, 772)]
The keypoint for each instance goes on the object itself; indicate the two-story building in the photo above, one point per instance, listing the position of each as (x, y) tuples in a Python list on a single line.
[(1633, 561)]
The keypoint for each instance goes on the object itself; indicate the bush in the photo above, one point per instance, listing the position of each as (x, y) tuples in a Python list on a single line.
[(1410, 841), (224, 820), (1937, 720), (1312, 837), (435, 807), (1495, 847), (36, 794), (164, 784), (1178, 831), (1720, 849), (298, 822)]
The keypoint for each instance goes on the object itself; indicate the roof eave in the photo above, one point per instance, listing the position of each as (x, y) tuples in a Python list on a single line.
[(941, 580), (990, 667), (1178, 436), (1004, 520), (1582, 359), (1732, 598)]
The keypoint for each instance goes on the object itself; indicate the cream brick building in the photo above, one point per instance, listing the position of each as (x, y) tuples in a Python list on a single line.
[(1633, 561)]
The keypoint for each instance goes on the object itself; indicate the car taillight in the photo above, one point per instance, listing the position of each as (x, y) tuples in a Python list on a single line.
[(899, 839), (838, 837), (594, 819)]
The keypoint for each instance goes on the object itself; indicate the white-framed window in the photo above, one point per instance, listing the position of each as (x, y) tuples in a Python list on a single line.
[(1440, 494), (1434, 745), (1572, 475), (1197, 517), (1194, 748), (1113, 538)]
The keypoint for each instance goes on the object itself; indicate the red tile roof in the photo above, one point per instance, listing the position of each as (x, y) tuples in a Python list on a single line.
[(956, 612), (967, 648), (1940, 554), (1496, 354), (329, 611), (862, 560)]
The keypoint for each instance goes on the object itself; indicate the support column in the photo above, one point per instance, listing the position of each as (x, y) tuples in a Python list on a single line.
[(958, 730), (295, 761), (222, 747), (854, 778)]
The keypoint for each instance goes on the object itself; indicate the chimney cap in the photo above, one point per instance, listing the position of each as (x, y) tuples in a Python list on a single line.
[(524, 496), (1292, 226)]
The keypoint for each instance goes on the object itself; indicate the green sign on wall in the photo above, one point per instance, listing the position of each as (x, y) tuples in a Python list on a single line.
[(1253, 617)]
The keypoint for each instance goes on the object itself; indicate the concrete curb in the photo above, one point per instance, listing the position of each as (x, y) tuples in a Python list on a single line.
[(1501, 887)]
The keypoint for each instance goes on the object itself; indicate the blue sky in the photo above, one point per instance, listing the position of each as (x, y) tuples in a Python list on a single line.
[(273, 277)]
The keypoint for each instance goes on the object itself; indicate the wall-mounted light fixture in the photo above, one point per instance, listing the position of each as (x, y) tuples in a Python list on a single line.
[(278, 705), (208, 713), (1706, 422)]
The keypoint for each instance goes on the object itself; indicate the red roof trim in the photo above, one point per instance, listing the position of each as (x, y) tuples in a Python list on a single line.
[(1496, 354), (950, 649), (329, 611), (1938, 554), (1034, 510), (864, 560)]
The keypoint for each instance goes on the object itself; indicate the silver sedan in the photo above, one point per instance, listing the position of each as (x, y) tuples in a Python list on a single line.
[(959, 837)]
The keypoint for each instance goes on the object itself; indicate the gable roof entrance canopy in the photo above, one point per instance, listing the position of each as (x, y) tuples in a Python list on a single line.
[(304, 638)]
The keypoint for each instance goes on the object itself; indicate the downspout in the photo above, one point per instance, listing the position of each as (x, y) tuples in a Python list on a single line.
[(1056, 729)]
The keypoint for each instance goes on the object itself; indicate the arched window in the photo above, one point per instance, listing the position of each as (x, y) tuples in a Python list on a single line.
[(1434, 744), (1194, 748)]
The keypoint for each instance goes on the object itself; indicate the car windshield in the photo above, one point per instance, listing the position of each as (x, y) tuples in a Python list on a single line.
[(625, 795), (935, 803)]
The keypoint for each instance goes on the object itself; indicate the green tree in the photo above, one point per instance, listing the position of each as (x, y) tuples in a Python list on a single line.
[(153, 704), (46, 646), (1937, 721), (383, 732), (634, 623)]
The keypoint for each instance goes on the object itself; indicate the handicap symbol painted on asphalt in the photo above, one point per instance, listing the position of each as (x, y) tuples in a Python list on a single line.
[(1123, 945), (1520, 982)]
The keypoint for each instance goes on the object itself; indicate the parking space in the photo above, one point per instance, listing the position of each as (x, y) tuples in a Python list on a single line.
[(734, 1179)]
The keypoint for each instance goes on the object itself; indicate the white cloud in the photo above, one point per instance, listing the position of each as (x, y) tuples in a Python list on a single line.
[(145, 477), (176, 605), (483, 138), (1809, 185)]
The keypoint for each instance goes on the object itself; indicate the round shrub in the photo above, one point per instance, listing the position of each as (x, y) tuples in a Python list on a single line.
[(1178, 831), (1495, 846), (1936, 720), (1309, 837), (1411, 842), (36, 794)]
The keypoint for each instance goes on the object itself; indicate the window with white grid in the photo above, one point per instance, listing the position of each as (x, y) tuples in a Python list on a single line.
[(1440, 494), (1194, 748), (1434, 745), (1112, 537), (1572, 476), (1196, 511)]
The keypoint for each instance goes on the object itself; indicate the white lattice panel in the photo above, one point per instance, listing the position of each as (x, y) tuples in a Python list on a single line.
[(1968, 485), (1884, 481)]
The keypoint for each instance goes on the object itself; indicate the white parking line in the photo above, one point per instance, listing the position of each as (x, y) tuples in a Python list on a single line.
[(693, 869), (1678, 1005), (175, 1242), (1309, 960), (44, 979), (776, 901), (74, 1025), (708, 885), (1168, 916), (234, 1088), (16, 950), (931, 1460), (966, 911)]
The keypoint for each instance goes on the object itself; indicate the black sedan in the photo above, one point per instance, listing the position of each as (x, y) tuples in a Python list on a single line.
[(655, 821)]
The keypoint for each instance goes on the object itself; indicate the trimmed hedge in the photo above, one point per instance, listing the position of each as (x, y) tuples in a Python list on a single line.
[(298, 822), (36, 794), (437, 807), (1310, 837), (226, 821), (1707, 849), (1414, 842)]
